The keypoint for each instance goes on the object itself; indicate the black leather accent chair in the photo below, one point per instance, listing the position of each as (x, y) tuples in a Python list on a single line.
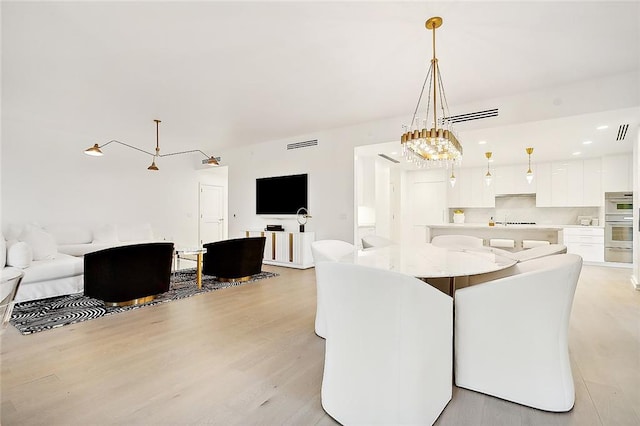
[(234, 260), (128, 275)]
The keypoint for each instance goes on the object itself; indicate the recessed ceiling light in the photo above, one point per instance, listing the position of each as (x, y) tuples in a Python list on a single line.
[(587, 142), (604, 126), (482, 142), (576, 153), (394, 153)]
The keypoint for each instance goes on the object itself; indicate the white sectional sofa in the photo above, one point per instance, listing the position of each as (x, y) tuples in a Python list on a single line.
[(51, 257)]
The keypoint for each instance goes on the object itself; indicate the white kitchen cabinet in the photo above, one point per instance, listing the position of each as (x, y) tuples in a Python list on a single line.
[(574, 183), (471, 190), (592, 194), (617, 173), (588, 242), (559, 187), (542, 176)]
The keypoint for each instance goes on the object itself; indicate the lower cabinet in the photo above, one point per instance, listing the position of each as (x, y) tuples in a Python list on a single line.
[(290, 249), (588, 242)]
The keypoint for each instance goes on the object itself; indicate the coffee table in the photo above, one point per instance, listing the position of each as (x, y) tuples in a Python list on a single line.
[(191, 251)]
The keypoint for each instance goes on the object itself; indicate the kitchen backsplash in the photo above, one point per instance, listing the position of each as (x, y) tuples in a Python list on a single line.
[(523, 209)]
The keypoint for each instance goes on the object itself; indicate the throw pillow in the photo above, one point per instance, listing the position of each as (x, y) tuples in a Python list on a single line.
[(3, 251), (19, 255), (106, 234), (42, 244)]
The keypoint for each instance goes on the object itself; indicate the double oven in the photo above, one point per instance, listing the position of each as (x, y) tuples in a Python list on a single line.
[(618, 227)]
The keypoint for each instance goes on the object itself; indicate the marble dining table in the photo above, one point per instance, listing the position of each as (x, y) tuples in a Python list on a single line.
[(431, 263)]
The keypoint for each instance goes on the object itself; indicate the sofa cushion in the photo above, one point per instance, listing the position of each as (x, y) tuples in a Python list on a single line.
[(3, 251), (70, 234), (105, 234), (19, 254), (42, 244), (82, 249), (140, 232), (50, 269)]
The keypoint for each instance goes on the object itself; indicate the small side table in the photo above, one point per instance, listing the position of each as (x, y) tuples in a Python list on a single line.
[(198, 252)]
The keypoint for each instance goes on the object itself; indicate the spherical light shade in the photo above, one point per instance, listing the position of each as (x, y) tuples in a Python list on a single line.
[(529, 177), (452, 181)]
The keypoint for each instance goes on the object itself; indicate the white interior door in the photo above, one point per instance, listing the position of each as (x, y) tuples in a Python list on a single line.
[(211, 213)]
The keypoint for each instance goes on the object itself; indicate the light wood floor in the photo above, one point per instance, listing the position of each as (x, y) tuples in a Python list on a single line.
[(248, 356)]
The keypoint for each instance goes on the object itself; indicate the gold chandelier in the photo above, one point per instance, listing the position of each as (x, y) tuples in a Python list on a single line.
[(529, 172), (439, 145), (95, 151)]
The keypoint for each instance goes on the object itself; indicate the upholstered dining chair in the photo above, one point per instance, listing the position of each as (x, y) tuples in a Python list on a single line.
[(388, 354), (375, 241), (457, 241), (327, 251), (511, 334)]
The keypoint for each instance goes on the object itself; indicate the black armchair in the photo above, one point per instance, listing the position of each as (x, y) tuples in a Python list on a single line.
[(128, 275), (234, 260)]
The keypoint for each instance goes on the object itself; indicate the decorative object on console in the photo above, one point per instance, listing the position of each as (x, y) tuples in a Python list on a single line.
[(96, 152), (487, 177), (302, 215), (529, 172), (275, 228), (438, 146)]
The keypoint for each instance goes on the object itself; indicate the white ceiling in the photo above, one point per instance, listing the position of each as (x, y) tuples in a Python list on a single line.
[(221, 74)]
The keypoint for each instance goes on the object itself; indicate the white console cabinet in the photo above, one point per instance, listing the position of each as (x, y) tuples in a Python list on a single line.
[(290, 249)]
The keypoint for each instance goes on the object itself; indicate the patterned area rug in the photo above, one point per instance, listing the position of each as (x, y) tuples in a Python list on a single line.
[(45, 314)]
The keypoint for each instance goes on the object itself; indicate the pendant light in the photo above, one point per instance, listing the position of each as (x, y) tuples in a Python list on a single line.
[(452, 179), (95, 151), (529, 172), (488, 177)]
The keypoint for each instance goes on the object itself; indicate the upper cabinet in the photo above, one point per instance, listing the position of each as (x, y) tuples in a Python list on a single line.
[(617, 173), (513, 180), (574, 183), (471, 190)]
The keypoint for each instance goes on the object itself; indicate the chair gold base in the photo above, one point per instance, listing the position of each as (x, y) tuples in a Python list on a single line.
[(138, 301), (227, 280)]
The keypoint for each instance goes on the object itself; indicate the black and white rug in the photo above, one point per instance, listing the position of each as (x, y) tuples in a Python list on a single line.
[(45, 314)]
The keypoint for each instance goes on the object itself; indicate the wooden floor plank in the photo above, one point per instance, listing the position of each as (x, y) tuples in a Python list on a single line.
[(247, 355)]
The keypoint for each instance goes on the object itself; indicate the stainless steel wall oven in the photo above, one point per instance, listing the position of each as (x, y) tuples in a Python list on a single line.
[(618, 229)]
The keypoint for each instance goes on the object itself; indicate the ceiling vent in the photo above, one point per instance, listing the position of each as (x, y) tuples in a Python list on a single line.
[(622, 132), (386, 157), (304, 144), (473, 116)]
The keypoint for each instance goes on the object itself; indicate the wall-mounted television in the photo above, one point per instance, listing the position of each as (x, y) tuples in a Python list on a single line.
[(281, 194)]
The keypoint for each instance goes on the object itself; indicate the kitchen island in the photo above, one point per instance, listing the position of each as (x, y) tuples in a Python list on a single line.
[(518, 233)]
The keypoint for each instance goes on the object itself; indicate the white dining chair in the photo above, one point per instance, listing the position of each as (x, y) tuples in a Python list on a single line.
[(511, 334), (371, 241), (388, 354), (327, 251), (457, 241)]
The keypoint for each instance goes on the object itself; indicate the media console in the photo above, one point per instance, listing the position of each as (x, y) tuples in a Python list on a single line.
[(290, 249)]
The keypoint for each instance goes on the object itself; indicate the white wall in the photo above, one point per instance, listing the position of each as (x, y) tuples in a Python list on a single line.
[(47, 180), (635, 278), (330, 166)]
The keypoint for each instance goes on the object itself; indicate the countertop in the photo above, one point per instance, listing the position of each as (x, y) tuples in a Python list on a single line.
[(499, 226)]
